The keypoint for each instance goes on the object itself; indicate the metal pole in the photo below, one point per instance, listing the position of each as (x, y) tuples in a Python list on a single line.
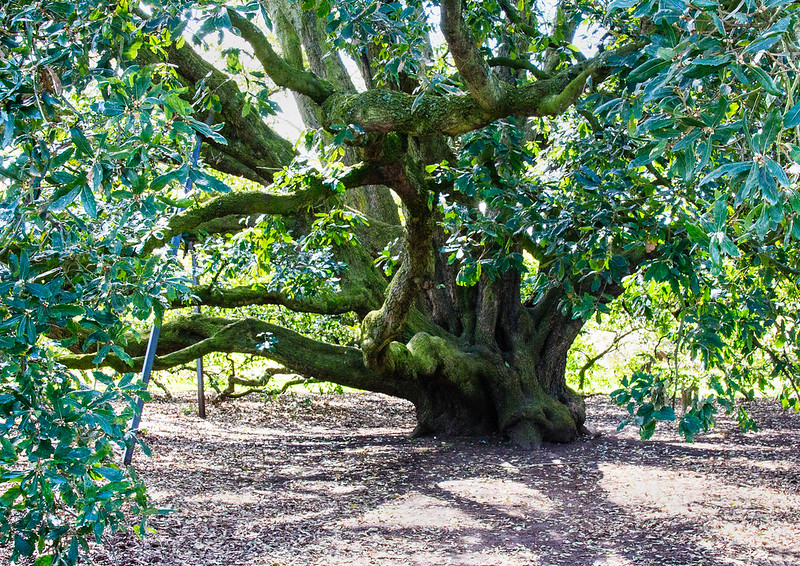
[(147, 369), (201, 394), (152, 343)]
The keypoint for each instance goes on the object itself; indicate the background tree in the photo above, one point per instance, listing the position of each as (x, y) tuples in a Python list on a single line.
[(447, 142)]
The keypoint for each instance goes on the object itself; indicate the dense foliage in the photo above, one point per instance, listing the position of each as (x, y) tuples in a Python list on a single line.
[(542, 160)]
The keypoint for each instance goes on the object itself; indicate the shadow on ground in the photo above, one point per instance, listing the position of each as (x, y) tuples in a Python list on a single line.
[(334, 480)]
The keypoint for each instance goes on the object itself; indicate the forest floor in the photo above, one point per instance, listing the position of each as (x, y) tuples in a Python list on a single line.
[(335, 480)]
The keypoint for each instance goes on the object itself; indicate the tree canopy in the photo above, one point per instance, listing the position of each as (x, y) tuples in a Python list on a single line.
[(475, 181)]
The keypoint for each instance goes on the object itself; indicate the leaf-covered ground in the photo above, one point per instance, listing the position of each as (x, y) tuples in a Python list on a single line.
[(334, 480)]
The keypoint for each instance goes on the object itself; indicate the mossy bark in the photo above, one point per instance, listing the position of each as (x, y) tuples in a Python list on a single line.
[(474, 360)]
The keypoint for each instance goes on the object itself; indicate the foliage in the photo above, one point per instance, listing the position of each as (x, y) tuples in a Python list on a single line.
[(663, 159), (83, 150)]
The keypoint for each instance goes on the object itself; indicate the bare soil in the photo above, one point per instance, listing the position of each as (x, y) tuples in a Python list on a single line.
[(335, 480)]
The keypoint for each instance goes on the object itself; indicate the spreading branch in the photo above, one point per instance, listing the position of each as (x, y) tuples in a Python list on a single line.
[(244, 204), (481, 82), (283, 74), (386, 111), (339, 364)]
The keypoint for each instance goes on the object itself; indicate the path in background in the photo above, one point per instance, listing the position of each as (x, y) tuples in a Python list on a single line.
[(334, 480)]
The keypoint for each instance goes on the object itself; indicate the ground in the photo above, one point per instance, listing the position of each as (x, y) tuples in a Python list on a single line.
[(335, 480)]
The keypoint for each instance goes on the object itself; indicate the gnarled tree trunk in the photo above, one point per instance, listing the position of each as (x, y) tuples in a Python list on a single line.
[(474, 360)]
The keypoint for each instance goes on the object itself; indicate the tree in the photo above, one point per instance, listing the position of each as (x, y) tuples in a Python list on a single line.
[(457, 153), (666, 124), (477, 181)]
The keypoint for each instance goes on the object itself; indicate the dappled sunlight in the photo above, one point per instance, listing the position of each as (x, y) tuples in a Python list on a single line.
[(758, 543), (325, 488), (225, 498), (654, 491), (512, 498), (416, 511), (246, 493)]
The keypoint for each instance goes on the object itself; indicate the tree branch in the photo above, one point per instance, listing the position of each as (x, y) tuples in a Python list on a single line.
[(380, 327), (386, 111), (519, 64), (243, 204), (283, 74), (319, 303), (338, 364), (481, 82), (515, 18), (252, 144)]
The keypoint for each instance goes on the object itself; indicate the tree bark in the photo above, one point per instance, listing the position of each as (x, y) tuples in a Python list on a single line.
[(474, 360)]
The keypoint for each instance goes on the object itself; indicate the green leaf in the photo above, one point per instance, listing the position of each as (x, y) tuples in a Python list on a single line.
[(88, 201), (689, 426), (698, 235), (206, 131), (664, 414), (22, 546), (714, 61), (768, 186), (81, 141), (792, 117), (208, 182), (763, 43), (770, 131), (765, 81), (621, 5), (163, 180), (731, 169), (64, 201), (647, 70), (777, 171)]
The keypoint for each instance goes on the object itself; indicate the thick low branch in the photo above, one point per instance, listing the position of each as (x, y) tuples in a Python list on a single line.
[(481, 82), (283, 74), (338, 364)]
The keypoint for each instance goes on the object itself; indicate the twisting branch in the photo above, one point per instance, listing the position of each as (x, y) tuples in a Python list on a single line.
[(481, 82), (243, 204), (380, 110), (382, 326), (298, 80), (591, 360), (299, 354), (254, 385), (319, 303)]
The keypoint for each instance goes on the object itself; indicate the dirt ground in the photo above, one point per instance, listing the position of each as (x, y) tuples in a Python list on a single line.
[(334, 480)]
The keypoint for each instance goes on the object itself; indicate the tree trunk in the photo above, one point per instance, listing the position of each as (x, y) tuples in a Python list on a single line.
[(504, 373), (474, 360)]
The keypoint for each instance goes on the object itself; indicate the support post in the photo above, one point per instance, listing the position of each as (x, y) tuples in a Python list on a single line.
[(152, 342), (201, 393), (147, 369)]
